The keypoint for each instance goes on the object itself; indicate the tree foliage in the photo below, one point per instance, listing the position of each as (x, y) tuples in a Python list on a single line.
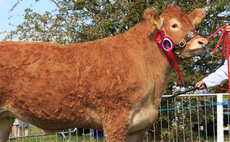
[(75, 21)]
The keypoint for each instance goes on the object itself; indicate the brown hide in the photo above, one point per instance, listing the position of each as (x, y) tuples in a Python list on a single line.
[(115, 84)]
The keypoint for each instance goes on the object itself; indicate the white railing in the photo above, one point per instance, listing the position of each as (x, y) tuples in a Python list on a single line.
[(220, 118)]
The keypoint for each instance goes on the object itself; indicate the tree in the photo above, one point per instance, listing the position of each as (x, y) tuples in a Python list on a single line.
[(86, 20)]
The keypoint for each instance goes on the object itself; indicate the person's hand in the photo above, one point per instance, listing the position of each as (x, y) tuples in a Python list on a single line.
[(228, 31), (201, 84)]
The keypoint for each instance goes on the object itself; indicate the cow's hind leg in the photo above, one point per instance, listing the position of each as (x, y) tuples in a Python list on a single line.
[(5, 128)]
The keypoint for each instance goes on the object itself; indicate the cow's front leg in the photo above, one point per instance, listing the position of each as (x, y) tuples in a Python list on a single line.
[(135, 138), (5, 128), (115, 125)]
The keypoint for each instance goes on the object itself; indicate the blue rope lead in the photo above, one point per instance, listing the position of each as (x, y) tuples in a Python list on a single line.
[(218, 103)]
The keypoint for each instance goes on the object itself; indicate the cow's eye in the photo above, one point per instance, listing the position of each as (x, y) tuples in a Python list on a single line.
[(175, 26)]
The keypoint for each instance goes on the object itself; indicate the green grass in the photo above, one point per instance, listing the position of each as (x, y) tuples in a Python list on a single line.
[(57, 138), (53, 138)]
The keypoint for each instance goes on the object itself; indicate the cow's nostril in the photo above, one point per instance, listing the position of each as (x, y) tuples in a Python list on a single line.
[(204, 43)]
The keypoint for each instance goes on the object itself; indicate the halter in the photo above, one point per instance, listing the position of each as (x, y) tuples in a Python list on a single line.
[(167, 46), (189, 35)]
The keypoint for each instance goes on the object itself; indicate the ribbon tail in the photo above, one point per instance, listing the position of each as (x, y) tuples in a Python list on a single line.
[(176, 66)]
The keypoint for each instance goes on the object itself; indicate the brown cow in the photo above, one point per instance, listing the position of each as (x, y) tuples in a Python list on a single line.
[(113, 84)]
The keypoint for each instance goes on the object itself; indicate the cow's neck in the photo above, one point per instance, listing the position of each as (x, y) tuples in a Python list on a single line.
[(153, 53), (157, 65)]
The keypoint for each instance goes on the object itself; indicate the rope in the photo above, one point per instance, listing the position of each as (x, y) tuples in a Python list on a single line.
[(226, 46)]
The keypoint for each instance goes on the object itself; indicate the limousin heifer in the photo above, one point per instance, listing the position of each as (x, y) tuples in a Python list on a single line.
[(113, 84)]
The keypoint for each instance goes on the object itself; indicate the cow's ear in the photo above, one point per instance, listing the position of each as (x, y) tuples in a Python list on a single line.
[(153, 17), (197, 15)]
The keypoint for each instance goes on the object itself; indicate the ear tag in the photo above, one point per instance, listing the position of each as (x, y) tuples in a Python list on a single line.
[(155, 22)]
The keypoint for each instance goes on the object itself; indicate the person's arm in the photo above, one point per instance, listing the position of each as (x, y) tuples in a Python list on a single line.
[(221, 74), (228, 31), (218, 77)]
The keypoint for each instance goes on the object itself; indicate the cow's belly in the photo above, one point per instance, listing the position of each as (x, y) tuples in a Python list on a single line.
[(52, 123), (90, 120), (143, 119)]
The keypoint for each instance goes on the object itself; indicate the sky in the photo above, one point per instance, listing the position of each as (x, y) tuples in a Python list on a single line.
[(17, 14)]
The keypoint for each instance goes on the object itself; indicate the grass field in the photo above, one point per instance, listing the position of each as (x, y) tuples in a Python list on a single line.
[(35, 132), (54, 138)]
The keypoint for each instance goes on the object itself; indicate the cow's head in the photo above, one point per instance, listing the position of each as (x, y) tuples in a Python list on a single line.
[(176, 24)]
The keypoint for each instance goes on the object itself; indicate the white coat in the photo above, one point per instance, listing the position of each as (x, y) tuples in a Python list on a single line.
[(217, 77)]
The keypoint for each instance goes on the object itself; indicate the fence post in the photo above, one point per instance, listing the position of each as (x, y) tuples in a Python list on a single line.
[(220, 118)]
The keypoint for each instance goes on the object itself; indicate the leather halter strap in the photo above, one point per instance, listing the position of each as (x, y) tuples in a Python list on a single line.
[(189, 35)]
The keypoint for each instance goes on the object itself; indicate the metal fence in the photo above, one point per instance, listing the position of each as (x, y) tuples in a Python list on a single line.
[(194, 117), (191, 117)]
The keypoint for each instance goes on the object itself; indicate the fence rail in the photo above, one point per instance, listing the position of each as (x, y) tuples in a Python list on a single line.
[(190, 117)]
